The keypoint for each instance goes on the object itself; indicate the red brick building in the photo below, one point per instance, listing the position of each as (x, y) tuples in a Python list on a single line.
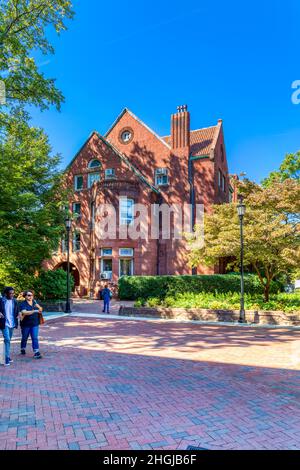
[(131, 164)]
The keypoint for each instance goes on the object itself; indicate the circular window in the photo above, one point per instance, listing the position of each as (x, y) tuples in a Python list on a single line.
[(126, 135)]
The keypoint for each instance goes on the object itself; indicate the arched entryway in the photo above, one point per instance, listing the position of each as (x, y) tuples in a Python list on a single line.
[(73, 271)]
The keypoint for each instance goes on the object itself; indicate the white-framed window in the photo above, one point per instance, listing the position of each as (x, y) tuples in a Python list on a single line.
[(126, 251), (126, 211), (94, 164), (126, 267), (161, 176), (76, 209), (126, 135), (109, 173), (106, 251), (78, 182), (92, 177), (76, 241), (106, 268)]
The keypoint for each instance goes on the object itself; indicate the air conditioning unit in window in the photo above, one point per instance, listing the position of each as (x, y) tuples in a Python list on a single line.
[(106, 275)]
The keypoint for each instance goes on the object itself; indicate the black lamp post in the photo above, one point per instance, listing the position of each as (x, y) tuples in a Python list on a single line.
[(241, 208), (68, 223)]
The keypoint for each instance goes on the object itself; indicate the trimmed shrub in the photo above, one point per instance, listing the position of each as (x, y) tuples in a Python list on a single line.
[(289, 303), (51, 285), (144, 287)]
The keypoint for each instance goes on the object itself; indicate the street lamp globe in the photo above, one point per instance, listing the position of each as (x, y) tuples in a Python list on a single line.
[(241, 208), (68, 223)]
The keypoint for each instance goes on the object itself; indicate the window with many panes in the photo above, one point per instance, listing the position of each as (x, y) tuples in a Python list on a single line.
[(92, 177), (76, 209), (126, 211), (126, 267), (106, 267), (76, 241), (78, 182), (161, 176)]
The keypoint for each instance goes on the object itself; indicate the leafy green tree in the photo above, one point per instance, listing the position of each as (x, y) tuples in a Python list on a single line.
[(271, 232), (23, 26), (290, 168), (31, 198)]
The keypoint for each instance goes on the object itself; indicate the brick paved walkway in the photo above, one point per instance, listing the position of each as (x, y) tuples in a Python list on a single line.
[(125, 384), (96, 306)]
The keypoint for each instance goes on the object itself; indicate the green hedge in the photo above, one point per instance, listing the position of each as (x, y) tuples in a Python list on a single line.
[(144, 287), (51, 285)]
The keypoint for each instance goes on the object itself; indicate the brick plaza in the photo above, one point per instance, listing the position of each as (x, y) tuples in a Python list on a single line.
[(129, 384)]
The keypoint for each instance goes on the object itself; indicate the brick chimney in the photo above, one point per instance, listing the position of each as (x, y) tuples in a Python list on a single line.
[(180, 128)]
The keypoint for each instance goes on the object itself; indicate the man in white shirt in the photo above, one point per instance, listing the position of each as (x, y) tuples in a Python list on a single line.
[(9, 311)]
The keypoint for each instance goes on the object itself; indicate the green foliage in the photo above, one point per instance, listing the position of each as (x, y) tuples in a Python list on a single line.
[(290, 168), (23, 25), (31, 198), (271, 232), (31, 193), (289, 303), (51, 285), (159, 287)]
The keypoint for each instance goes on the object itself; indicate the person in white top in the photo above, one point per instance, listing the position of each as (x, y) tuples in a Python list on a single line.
[(9, 312)]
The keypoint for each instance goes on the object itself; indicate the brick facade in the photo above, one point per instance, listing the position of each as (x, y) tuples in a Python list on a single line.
[(197, 172)]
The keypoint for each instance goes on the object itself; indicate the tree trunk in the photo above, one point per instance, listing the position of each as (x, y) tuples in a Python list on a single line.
[(267, 291)]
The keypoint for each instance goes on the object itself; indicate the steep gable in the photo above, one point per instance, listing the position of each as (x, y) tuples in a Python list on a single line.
[(95, 147)]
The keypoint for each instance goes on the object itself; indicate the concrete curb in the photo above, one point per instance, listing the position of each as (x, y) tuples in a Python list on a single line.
[(170, 320)]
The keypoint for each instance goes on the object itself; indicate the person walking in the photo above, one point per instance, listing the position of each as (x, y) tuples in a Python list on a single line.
[(30, 312), (9, 312), (106, 295)]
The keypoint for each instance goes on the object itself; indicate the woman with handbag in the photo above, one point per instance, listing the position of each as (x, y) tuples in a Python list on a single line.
[(31, 317)]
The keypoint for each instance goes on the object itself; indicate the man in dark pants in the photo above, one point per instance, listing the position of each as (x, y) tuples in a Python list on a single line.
[(106, 295), (9, 312)]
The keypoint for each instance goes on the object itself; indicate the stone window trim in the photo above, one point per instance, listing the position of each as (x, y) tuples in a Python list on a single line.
[(124, 129)]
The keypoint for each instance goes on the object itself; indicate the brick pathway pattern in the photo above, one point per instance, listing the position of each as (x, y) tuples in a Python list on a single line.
[(128, 384)]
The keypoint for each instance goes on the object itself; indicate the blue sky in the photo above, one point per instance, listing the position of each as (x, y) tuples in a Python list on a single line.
[(231, 60)]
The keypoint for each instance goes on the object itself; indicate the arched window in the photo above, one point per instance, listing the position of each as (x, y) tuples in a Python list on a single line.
[(94, 164)]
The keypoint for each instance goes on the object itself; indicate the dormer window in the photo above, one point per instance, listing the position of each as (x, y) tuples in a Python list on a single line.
[(161, 176)]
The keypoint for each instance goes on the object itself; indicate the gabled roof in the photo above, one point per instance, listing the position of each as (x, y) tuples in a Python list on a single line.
[(120, 155), (126, 110), (202, 141)]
